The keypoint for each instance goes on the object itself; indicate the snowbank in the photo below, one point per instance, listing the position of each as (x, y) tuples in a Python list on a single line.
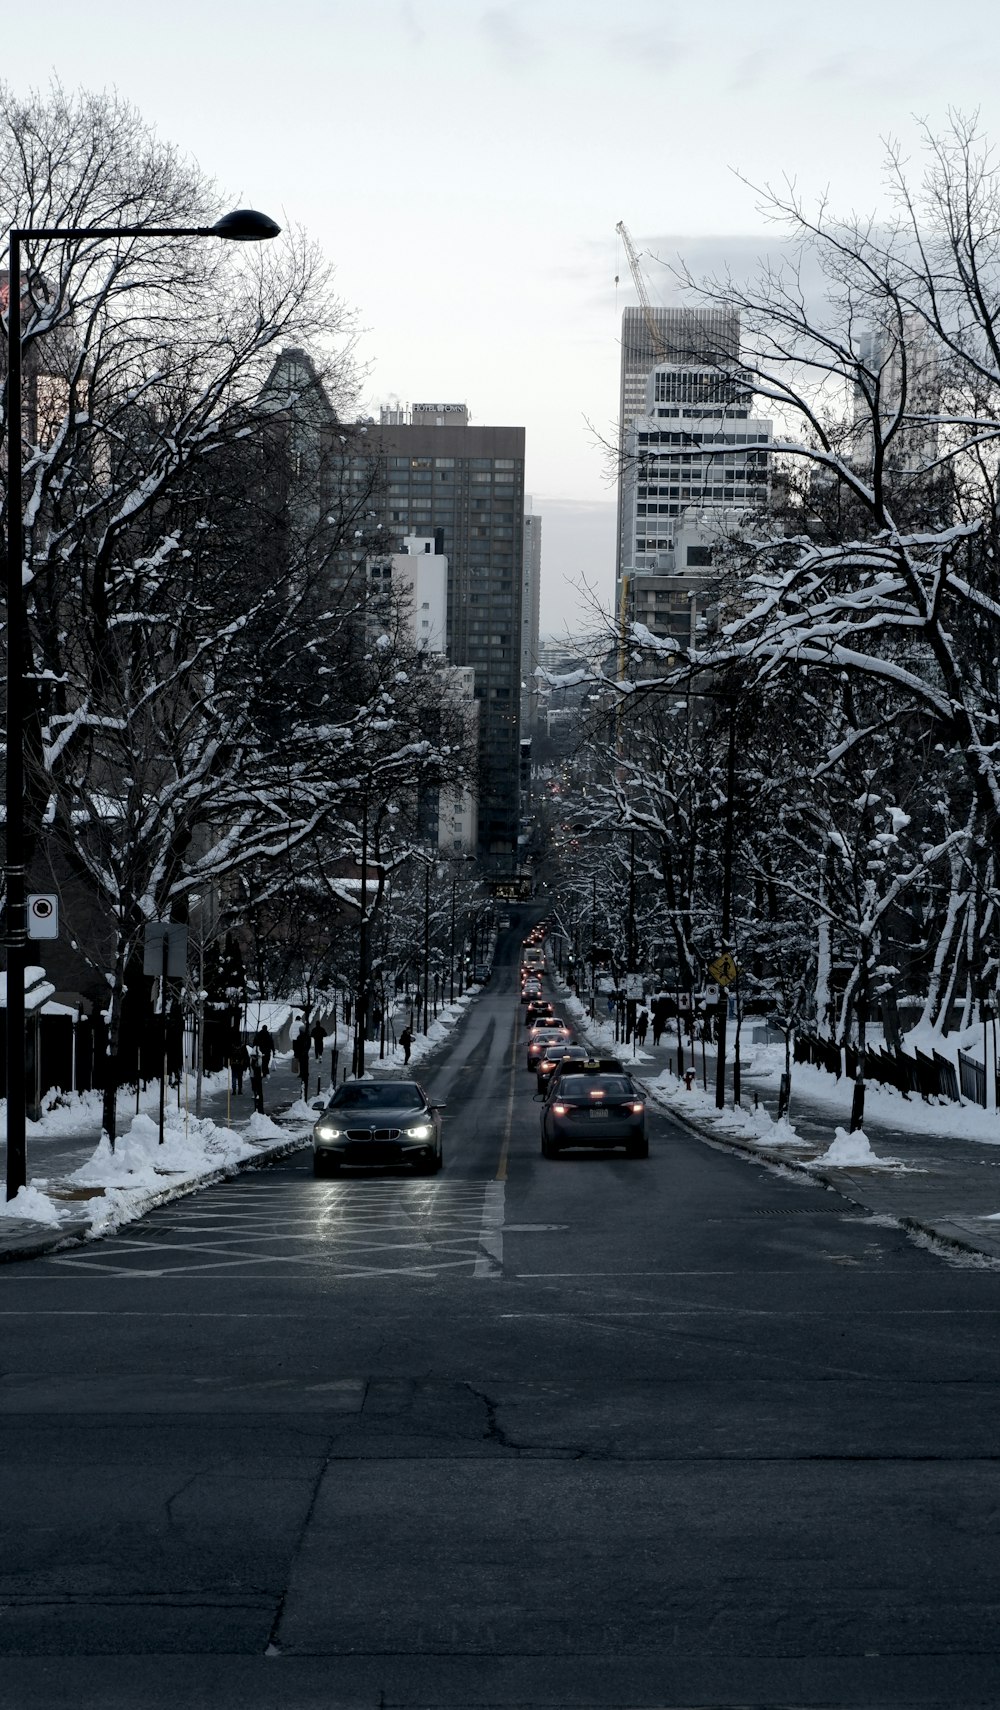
[(115, 1187)]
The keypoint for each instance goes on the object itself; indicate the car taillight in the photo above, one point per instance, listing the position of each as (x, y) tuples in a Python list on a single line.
[(597, 1092), (637, 1108), (560, 1110)]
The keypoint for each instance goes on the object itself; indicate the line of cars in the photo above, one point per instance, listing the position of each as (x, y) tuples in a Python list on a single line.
[(586, 1101)]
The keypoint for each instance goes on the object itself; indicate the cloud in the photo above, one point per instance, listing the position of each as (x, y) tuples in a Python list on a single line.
[(412, 26), (505, 34), (650, 49)]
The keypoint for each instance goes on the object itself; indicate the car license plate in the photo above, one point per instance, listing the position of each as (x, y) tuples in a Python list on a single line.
[(596, 1115)]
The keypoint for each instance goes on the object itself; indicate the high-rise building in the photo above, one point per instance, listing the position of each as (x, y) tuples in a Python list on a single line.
[(416, 581), (530, 613), (694, 460), (688, 337), (462, 487)]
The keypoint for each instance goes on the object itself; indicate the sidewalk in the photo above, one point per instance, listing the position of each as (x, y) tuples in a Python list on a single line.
[(932, 1169)]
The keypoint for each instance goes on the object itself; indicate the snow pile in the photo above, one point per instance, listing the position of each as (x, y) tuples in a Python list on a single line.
[(781, 1133), (261, 1127), (31, 1203), (853, 1149), (140, 1173), (300, 1111)]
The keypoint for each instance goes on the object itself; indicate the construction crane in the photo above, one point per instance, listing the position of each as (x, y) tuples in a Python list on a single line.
[(656, 336)]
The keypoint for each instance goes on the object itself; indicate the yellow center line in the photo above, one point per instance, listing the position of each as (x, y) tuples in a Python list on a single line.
[(501, 1175)]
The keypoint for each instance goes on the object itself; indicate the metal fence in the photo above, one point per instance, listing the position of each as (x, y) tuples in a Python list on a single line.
[(931, 1076)]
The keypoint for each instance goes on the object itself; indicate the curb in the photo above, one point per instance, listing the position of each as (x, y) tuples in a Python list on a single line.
[(950, 1235)]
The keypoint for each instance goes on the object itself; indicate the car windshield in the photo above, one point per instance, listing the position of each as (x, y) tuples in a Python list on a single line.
[(584, 1086), (376, 1095)]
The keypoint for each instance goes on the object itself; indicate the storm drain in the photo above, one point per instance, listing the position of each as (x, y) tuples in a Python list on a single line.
[(791, 1211), (807, 1211)]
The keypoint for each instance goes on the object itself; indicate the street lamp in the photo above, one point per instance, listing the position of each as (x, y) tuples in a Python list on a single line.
[(244, 225)]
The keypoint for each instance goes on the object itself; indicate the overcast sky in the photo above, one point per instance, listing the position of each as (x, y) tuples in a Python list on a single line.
[(465, 165)]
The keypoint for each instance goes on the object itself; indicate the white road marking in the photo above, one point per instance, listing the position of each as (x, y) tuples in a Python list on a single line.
[(489, 1262), (345, 1230)]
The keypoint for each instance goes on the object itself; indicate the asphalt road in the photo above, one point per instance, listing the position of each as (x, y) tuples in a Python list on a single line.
[(588, 1432)]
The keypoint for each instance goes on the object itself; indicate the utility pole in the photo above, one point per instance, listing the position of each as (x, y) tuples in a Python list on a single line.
[(361, 1016), (593, 949), (451, 954), (427, 939), (727, 909)]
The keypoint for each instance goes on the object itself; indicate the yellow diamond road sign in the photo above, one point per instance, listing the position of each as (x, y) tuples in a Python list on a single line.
[(723, 970)]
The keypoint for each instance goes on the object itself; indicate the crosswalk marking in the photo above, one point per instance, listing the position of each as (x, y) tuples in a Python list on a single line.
[(344, 1229)]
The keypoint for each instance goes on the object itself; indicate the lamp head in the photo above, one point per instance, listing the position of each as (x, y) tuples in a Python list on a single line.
[(245, 225)]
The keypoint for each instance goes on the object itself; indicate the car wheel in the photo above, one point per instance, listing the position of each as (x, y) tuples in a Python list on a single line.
[(549, 1147), (637, 1148)]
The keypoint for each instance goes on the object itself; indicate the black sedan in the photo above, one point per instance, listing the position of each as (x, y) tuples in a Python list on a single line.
[(562, 1057), (595, 1110), (378, 1122)]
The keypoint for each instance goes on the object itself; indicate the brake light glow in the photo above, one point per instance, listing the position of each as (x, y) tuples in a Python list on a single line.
[(560, 1110), (637, 1109), (597, 1092)]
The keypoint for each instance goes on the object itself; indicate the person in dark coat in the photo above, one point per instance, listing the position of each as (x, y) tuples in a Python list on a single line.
[(265, 1045), (406, 1040), (641, 1025), (239, 1063), (300, 1051), (319, 1040), (257, 1080)]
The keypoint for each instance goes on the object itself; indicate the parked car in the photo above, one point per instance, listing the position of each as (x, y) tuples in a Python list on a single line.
[(378, 1122), (594, 1110)]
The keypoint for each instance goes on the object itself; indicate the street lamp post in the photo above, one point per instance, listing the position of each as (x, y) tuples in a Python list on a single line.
[(244, 225)]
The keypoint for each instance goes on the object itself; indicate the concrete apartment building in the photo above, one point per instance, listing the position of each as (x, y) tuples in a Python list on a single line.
[(694, 460), (461, 488), (417, 580)]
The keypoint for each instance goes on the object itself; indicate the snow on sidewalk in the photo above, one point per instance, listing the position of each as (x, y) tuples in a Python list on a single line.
[(112, 1188)]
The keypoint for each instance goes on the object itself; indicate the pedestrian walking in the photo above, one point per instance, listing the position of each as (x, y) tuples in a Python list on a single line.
[(239, 1063), (300, 1052), (257, 1080), (406, 1040), (319, 1040), (642, 1025), (265, 1045)]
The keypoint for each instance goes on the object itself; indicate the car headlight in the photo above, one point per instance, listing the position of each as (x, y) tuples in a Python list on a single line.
[(421, 1132), (325, 1132)]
